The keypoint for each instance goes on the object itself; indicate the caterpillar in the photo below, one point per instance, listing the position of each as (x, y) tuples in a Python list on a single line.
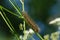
[(29, 21)]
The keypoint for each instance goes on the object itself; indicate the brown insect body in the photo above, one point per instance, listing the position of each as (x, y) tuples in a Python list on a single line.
[(34, 26)]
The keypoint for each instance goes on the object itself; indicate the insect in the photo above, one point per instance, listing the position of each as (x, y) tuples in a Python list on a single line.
[(29, 21)]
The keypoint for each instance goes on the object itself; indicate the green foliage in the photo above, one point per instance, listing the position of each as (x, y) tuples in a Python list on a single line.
[(9, 24)]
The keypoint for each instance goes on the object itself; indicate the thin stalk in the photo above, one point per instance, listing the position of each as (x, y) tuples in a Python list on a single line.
[(15, 7), (24, 29), (9, 26), (22, 2), (23, 7), (17, 37), (10, 11), (24, 20), (6, 22), (7, 19), (39, 36), (24, 25)]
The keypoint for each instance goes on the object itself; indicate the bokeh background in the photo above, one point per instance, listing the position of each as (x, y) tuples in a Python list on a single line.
[(41, 11)]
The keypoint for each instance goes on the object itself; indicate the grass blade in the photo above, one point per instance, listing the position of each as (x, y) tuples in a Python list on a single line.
[(10, 11), (6, 22), (15, 7)]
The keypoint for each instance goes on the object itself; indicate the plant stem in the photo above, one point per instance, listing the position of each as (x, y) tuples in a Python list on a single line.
[(6, 22), (15, 7), (7, 19), (39, 36), (17, 37), (24, 29), (10, 11), (24, 25), (23, 7), (9, 25), (22, 2)]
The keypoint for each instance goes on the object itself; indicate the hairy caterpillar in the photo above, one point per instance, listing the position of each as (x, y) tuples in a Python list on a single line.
[(33, 25)]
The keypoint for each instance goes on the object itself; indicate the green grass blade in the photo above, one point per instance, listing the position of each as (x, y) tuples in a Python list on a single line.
[(7, 19), (12, 29), (10, 11), (15, 7), (39, 36), (6, 22)]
